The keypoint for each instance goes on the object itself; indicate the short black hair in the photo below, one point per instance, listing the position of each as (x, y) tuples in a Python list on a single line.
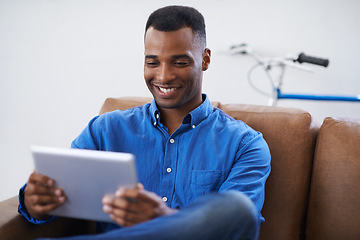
[(172, 18)]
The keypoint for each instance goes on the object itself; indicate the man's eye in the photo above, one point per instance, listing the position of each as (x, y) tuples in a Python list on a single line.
[(151, 64), (181, 63)]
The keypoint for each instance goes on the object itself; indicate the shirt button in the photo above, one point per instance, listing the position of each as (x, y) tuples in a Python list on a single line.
[(154, 123), (193, 126), (169, 170), (164, 199), (172, 140), (157, 116)]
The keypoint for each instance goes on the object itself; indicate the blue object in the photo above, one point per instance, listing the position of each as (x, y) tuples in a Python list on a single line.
[(281, 95)]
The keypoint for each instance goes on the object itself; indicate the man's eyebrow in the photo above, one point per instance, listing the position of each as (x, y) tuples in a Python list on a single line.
[(180, 56), (151, 56)]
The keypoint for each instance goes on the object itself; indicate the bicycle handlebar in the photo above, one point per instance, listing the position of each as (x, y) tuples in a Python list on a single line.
[(243, 48), (313, 60)]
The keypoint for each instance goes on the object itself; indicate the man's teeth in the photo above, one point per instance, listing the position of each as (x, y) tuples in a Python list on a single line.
[(167, 90)]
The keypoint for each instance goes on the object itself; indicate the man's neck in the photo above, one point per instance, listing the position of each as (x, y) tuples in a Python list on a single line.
[(172, 118)]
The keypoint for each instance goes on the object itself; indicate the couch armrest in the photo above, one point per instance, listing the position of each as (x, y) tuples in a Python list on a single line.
[(334, 206), (14, 226)]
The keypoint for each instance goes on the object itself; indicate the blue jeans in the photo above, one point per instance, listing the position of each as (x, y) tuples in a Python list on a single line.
[(227, 215)]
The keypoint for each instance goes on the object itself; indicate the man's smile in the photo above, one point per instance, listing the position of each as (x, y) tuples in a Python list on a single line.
[(167, 90)]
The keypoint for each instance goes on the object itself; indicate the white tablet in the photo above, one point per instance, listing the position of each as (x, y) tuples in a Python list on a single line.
[(85, 176)]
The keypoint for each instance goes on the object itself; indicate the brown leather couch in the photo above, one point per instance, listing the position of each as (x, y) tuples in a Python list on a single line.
[(313, 191)]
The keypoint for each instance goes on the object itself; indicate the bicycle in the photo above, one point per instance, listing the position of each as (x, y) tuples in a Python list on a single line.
[(290, 61)]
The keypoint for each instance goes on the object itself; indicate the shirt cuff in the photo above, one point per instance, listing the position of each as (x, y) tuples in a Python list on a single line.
[(22, 210)]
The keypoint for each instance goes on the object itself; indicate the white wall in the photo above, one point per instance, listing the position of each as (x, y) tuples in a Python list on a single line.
[(59, 60)]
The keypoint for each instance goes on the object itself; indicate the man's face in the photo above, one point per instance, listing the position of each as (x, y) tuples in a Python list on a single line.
[(173, 68)]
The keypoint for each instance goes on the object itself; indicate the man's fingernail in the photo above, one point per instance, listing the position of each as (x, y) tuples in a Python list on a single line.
[(106, 209), (50, 182), (106, 199), (119, 192), (58, 192), (61, 199), (140, 186)]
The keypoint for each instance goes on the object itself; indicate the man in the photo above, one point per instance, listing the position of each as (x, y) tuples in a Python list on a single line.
[(202, 172)]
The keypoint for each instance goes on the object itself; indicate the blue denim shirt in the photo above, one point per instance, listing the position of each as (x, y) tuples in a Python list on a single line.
[(209, 152)]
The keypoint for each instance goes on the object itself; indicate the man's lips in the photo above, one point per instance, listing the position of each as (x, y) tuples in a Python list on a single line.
[(167, 90)]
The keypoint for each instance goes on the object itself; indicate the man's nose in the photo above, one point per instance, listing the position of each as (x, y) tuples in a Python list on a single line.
[(165, 73)]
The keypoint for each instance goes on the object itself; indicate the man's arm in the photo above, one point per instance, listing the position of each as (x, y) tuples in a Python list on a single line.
[(250, 171)]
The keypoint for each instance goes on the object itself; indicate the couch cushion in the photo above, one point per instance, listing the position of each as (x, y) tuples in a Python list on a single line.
[(334, 207), (291, 135)]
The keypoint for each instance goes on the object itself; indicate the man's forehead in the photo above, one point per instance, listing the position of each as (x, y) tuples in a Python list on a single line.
[(174, 42)]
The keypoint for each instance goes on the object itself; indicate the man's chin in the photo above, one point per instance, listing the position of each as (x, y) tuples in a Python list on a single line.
[(166, 103)]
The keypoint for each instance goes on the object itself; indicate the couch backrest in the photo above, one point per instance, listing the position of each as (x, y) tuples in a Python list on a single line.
[(334, 205), (291, 135)]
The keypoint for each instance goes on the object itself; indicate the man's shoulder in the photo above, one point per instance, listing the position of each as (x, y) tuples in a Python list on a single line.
[(226, 119), (232, 125)]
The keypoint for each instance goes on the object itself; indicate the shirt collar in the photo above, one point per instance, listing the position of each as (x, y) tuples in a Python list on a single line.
[(195, 117), (155, 113)]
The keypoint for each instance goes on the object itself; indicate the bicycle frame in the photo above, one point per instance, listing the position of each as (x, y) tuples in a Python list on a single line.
[(278, 94)]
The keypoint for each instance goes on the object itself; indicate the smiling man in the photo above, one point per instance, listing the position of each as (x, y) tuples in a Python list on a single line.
[(202, 173), (174, 65)]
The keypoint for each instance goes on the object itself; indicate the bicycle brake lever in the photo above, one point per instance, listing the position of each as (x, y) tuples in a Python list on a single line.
[(242, 48)]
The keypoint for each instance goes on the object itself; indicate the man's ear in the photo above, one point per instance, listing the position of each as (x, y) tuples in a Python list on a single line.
[(206, 59)]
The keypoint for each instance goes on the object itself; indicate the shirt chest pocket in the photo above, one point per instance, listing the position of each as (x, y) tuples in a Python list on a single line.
[(205, 181)]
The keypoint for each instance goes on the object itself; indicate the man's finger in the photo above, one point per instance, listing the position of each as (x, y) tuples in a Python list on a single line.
[(129, 216), (38, 189), (126, 218), (45, 209), (138, 194), (121, 203), (140, 186), (127, 192), (45, 200), (149, 197), (40, 179)]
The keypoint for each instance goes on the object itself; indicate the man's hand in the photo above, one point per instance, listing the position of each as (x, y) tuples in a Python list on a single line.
[(41, 196), (131, 206)]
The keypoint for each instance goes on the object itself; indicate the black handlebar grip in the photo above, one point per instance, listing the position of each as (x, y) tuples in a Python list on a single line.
[(313, 60)]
